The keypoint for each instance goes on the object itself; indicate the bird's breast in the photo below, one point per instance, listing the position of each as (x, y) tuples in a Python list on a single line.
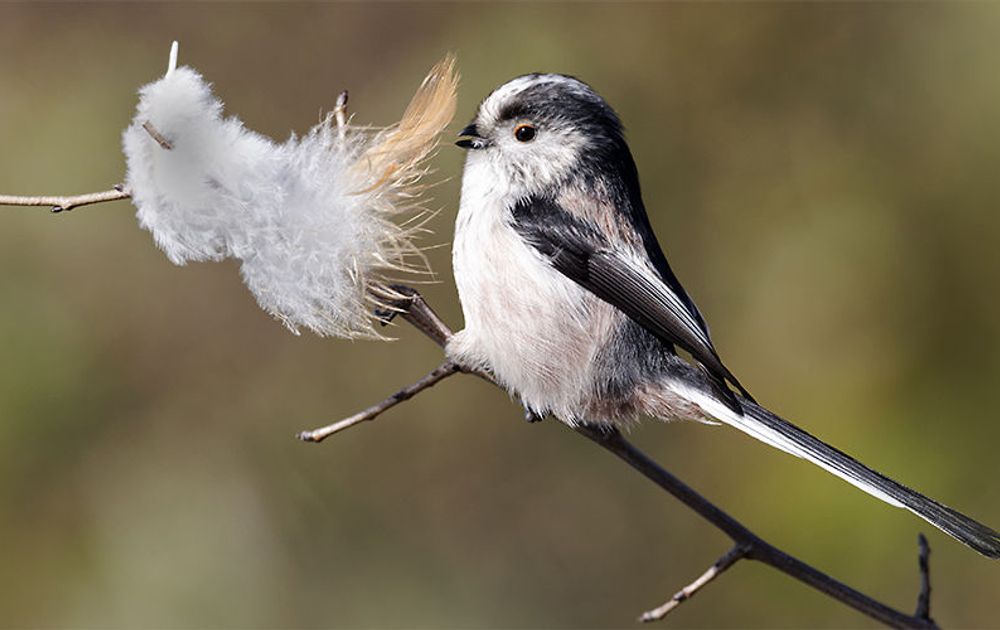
[(538, 332)]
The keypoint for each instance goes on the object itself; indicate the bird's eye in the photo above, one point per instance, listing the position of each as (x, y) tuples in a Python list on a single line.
[(524, 133)]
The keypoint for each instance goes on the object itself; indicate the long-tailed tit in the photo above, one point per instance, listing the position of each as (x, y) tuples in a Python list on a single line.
[(570, 303)]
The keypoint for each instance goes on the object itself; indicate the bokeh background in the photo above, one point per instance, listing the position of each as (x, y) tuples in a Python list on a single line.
[(823, 176)]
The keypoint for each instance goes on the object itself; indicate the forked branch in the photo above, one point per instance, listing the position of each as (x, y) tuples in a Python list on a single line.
[(755, 547), (747, 545), (738, 552)]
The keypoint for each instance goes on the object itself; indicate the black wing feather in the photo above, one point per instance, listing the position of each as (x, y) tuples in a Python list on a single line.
[(578, 250), (957, 525)]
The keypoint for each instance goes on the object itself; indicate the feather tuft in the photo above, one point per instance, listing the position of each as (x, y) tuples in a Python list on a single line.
[(317, 222)]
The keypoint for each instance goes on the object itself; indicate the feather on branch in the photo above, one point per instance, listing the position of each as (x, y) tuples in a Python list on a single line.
[(315, 221)]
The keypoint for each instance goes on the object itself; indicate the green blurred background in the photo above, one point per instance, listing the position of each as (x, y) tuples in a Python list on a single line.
[(824, 178)]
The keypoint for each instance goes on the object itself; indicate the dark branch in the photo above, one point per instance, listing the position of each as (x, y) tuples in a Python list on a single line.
[(756, 547), (439, 373), (747, 545), (924, 599)]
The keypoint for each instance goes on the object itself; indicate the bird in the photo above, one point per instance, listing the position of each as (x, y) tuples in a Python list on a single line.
[(569, 301)]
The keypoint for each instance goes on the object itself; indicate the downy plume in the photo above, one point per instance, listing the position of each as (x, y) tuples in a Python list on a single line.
[(318, 222)]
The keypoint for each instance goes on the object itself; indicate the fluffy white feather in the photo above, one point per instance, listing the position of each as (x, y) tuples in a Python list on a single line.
[(311, 220)]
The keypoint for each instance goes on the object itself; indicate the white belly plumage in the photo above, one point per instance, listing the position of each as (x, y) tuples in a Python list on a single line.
[(537, 331)]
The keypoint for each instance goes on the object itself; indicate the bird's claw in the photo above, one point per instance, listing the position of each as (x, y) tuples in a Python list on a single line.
[(393, 307), (531, 416)]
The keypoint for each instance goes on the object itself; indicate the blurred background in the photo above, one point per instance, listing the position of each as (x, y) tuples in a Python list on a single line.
[(824, 178)]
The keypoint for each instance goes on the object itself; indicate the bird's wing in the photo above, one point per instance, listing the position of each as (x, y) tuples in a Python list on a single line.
[(576, 248), (580, 251)]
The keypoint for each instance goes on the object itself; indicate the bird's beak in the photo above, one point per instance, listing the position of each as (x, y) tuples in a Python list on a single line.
[(471, 138)]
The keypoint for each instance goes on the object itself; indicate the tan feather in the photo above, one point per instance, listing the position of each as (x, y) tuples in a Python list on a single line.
[(397, 154), (395, 169)]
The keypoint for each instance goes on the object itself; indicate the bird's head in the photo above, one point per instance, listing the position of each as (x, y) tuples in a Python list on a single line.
[(542, 130)]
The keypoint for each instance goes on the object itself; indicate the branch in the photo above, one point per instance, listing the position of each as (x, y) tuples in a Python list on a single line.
[(924, 599), (756, 547), (412, 308), (738, 552), (439, 373), (156, 135), (67, 203), (747, 545)]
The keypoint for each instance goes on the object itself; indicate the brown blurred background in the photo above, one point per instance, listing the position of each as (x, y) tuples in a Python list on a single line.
[(824, 178)]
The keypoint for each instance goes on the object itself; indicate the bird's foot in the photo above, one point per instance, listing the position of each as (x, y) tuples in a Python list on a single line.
[(531, 415)]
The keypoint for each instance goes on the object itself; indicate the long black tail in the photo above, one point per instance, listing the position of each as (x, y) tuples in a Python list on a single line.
[(760, 423)]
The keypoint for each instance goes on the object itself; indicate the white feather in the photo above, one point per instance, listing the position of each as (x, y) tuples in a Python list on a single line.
[(747, 424), (172, 60), (307, 226), (534, 329)]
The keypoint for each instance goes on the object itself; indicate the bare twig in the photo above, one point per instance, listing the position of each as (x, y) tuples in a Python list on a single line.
[(747, 545), (66, 203), (340, 115), (738, 552), (924, 599), (439, 373), (156, 135), (412, 308)]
